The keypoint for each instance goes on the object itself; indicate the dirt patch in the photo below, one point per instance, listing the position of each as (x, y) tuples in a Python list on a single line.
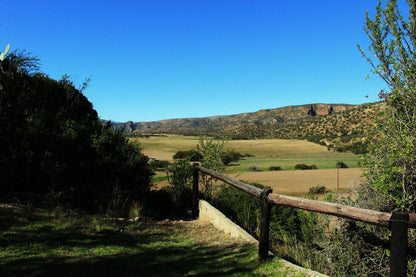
[(299, 181)]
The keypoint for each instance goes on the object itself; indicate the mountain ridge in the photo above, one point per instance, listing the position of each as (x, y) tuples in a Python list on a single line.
[(343, 127), (278, 114)]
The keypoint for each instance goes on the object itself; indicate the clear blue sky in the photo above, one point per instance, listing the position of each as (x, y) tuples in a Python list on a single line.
[(152, 60)]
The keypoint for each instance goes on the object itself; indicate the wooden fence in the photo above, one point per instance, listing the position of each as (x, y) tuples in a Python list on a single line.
[(398, 222)]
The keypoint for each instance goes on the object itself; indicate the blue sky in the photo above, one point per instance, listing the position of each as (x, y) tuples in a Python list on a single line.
[(152, 60)]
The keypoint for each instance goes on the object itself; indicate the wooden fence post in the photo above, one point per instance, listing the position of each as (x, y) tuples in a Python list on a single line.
[(195, 190), (264, 224), (398, 243)]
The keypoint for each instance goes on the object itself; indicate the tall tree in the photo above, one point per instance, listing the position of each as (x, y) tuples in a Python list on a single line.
[(54, 146), (391, 166)]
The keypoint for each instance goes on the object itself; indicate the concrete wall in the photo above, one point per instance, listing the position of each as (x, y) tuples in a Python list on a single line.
[(208, 213)]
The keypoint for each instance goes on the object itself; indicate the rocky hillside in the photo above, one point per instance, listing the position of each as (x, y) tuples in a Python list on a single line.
[(334, 125), (217, 124)]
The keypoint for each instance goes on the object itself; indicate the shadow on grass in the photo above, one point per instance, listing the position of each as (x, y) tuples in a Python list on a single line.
[(44, 248)]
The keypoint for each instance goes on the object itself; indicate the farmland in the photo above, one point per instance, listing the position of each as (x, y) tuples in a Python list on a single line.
[(270, 152)]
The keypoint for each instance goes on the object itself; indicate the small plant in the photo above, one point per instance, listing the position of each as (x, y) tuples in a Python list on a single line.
[(135, 210), (275, 168), (341, 165), (317, 190), (253, 168)]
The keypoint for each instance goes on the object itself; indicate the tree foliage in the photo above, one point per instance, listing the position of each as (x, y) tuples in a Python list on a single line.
[(54, 145), (392, 162)]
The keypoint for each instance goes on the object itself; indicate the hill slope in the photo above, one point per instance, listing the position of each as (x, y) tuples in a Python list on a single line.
[(335, 125), (216, 125)]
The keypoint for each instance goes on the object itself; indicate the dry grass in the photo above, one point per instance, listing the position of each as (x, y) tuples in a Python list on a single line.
[(270, 152), (299, 181), (163, 148)]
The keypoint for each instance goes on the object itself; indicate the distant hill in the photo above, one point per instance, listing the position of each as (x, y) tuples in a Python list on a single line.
[(334, 125)]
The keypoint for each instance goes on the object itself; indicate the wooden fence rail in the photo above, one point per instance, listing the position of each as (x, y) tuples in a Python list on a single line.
[(398, 222)]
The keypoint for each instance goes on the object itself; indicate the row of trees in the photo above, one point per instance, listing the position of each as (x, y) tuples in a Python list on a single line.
[(54, 146)]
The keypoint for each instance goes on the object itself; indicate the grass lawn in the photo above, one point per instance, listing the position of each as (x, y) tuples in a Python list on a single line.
[(56, 244)]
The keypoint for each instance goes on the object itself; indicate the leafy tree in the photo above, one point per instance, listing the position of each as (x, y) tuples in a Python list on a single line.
[(54, 145), (392, 162), (192, 154), (211, 152), (230, 155)]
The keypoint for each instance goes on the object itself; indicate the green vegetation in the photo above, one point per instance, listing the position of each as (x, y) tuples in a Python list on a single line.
[(392, 161), (318, 190), (323, 160), (305, 167), (275, 168), (341, 165), (58, 244), (294, 234), (230, 155), (159, 165), (55, 150), (192, 154)]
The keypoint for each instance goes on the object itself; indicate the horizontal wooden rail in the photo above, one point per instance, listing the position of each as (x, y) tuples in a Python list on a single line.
[(364, 215), (369, 216), (235, 183), (398, 222)]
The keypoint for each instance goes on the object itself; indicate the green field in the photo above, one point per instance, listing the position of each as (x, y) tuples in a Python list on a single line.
[(267, 152), (34, 243), (288, 161)]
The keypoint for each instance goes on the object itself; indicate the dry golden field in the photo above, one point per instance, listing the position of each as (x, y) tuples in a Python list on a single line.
[(163, 148), (299, 181), (270, 152)]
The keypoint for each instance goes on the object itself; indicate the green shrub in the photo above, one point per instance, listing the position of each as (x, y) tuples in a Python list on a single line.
[(341, 165), (253, 168), (55, 147), (192, 154), (275, 168), (318, 189), (244, 209), (159, 165), (230, 156), (305, 167)]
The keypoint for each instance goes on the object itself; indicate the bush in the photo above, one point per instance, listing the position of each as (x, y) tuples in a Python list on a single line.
[(253, 168), (230, 156), (317, 190), (193, 155), (54, 146), (275, 168), (341, 165), (244, 209), (305, 167), (159, 165)]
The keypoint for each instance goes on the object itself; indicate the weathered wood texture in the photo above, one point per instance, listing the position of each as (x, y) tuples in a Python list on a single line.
[(399, 222), (364, 215), (369, 216), (265, 207), (195, 191), (398, 244), (231, 181)]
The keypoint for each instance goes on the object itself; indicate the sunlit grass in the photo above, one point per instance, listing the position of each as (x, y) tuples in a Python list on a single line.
[(57, 244)]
